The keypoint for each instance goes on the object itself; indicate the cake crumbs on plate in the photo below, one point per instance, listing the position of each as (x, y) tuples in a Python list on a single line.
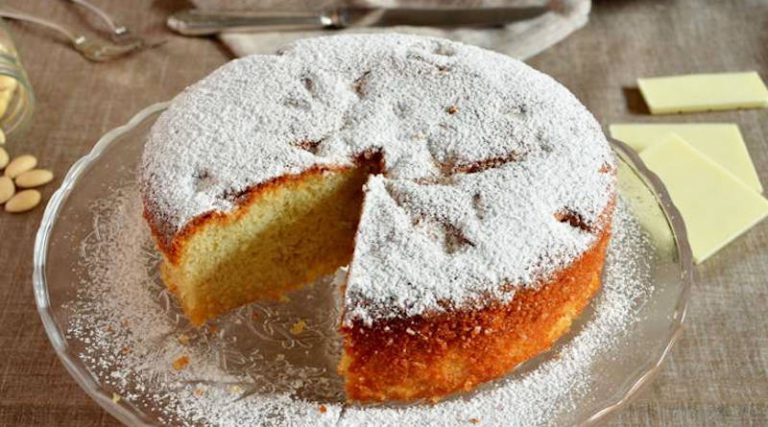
[(180, 363), (183, 339), (298, 327)]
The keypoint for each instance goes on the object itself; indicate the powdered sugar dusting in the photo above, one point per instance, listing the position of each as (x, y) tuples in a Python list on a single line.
[(250, 369), (556, 386), (480, 154), (131, 332)]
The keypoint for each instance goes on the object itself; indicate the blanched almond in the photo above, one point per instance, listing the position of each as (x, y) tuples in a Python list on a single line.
[(20, 164), (34, 178), (8, 83), (6, 189), (6, 95), (23, 201), (3, 158)]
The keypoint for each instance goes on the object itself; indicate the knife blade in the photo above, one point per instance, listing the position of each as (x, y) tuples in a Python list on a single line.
[(194, 22)]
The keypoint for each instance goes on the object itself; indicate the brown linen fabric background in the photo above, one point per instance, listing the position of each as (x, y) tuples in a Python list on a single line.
[(716, 375)]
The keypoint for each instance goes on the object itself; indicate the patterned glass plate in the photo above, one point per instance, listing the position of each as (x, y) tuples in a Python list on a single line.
[(123, 338)]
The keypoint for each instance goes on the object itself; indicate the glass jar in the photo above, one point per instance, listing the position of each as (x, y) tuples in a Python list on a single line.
[(17, 100)]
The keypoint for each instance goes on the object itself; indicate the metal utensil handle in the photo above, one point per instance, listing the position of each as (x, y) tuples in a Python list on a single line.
[(200, 23), (20, 16), (104, 16)]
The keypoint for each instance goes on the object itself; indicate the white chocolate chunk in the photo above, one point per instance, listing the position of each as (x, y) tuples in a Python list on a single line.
[(703, 92), (721, 142), (716, 206)]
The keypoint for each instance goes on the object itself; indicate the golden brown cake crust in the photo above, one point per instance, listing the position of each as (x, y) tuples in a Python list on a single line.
[(428, 357)]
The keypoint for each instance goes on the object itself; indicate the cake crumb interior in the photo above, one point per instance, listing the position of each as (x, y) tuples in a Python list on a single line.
[(284, 236)]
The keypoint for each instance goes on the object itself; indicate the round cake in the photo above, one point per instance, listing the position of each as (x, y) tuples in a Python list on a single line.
[(469, 195)]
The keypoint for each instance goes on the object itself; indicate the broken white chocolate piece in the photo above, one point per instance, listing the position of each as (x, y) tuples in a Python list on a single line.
[(703, 92)]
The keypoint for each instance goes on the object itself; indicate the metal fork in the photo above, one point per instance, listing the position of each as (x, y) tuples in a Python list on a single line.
[(119, 33), (92, 49)]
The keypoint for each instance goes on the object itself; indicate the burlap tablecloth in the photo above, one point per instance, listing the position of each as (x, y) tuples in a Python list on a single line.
[(716, 375)]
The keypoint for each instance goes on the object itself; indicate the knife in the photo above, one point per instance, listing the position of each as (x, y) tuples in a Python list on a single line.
[(194, 22)]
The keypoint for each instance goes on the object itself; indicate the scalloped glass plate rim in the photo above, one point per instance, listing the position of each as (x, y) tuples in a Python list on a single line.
[(94, 390)]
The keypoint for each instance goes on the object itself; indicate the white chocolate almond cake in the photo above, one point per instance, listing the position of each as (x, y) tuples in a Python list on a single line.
[(470, 196)]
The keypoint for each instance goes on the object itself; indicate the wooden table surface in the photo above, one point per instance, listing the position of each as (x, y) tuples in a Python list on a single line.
[(716, 375)]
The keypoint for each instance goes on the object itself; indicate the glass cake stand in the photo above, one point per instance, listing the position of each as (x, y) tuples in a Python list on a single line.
[(80, 317)]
